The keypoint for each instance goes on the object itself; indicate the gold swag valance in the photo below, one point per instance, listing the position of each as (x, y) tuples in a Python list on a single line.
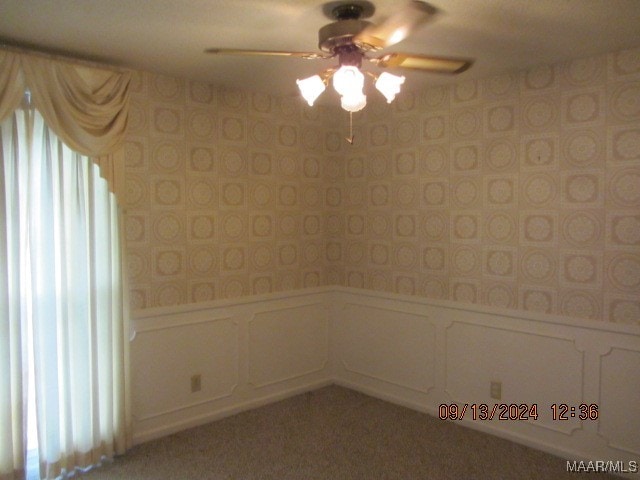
[(86, 107)]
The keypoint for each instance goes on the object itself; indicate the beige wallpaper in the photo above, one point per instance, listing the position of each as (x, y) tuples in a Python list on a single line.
[(519, 191), (225, 193)]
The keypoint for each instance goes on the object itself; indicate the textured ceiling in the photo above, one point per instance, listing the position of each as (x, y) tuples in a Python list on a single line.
[(170, 36)]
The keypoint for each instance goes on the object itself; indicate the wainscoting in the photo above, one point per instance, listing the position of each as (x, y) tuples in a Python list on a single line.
[(248, 352), (408, 350)]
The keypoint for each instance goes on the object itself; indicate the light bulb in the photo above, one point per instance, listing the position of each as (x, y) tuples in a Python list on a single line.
[(348, 80), (311, 88), (389, 85)]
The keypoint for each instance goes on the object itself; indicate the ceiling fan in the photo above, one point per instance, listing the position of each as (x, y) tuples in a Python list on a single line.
[(350, 38)]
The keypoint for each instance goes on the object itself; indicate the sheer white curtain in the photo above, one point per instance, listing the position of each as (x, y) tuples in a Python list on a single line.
[(61, 299), (62, 314), (12, 398)]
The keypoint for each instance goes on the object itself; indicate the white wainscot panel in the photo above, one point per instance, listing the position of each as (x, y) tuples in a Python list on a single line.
[(532, 368), (287, 343), (389, 345), (619, 408), (165, 358)]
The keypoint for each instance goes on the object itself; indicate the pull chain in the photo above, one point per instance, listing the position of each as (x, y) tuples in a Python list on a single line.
[(350, 137)]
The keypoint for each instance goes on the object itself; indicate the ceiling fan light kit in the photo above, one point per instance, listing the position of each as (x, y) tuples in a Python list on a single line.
[(350, 38), (348, 81), (389, 85), (311, 88)]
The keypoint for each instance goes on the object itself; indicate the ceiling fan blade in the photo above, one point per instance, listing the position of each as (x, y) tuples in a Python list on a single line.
[(423, 62), (270, 53), (396, 28)]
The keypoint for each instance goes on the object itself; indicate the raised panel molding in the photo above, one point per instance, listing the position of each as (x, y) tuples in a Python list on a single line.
[(284, 344), (408, 350), (532, 367), (389, 345), (619, 407), (205, 347)]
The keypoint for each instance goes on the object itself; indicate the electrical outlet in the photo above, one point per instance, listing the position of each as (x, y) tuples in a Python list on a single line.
[(495, 390), (196, 383)]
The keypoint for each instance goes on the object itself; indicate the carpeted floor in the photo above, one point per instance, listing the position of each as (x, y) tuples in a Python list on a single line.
[(333, 433)]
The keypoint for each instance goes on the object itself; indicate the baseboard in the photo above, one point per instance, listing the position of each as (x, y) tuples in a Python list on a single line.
[(423, 354), (432, 410), (245, 354), (217, 414)]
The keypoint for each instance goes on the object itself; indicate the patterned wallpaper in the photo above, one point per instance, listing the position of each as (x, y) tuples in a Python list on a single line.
[(519, 191), (225, 193)]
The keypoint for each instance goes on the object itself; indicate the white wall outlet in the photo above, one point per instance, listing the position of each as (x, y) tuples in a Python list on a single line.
[(196, 383), (495, 390)]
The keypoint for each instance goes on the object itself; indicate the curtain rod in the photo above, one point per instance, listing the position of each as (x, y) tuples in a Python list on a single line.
[(61, 57)]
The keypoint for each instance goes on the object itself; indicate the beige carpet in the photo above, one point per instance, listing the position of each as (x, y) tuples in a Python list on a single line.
[(333, 433)]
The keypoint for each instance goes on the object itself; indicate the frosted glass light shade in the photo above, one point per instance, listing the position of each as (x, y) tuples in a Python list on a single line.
[(311, 88), (348, 82), (353, 103), (389, 85)]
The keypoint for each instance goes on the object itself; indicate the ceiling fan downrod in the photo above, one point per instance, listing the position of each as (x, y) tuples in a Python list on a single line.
[(348, 23)]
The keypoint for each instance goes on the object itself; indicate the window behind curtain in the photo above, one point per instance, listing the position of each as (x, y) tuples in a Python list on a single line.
[(65, 298)]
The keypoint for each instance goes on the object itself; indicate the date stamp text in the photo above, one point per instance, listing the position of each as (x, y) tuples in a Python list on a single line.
[(515, 411)]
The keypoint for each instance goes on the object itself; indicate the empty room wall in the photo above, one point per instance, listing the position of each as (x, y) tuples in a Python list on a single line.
[(224, 193), (491, 236), (479, 231), (520, 191)]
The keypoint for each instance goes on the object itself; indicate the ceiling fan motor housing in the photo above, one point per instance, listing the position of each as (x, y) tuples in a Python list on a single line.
[(340, 33)]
